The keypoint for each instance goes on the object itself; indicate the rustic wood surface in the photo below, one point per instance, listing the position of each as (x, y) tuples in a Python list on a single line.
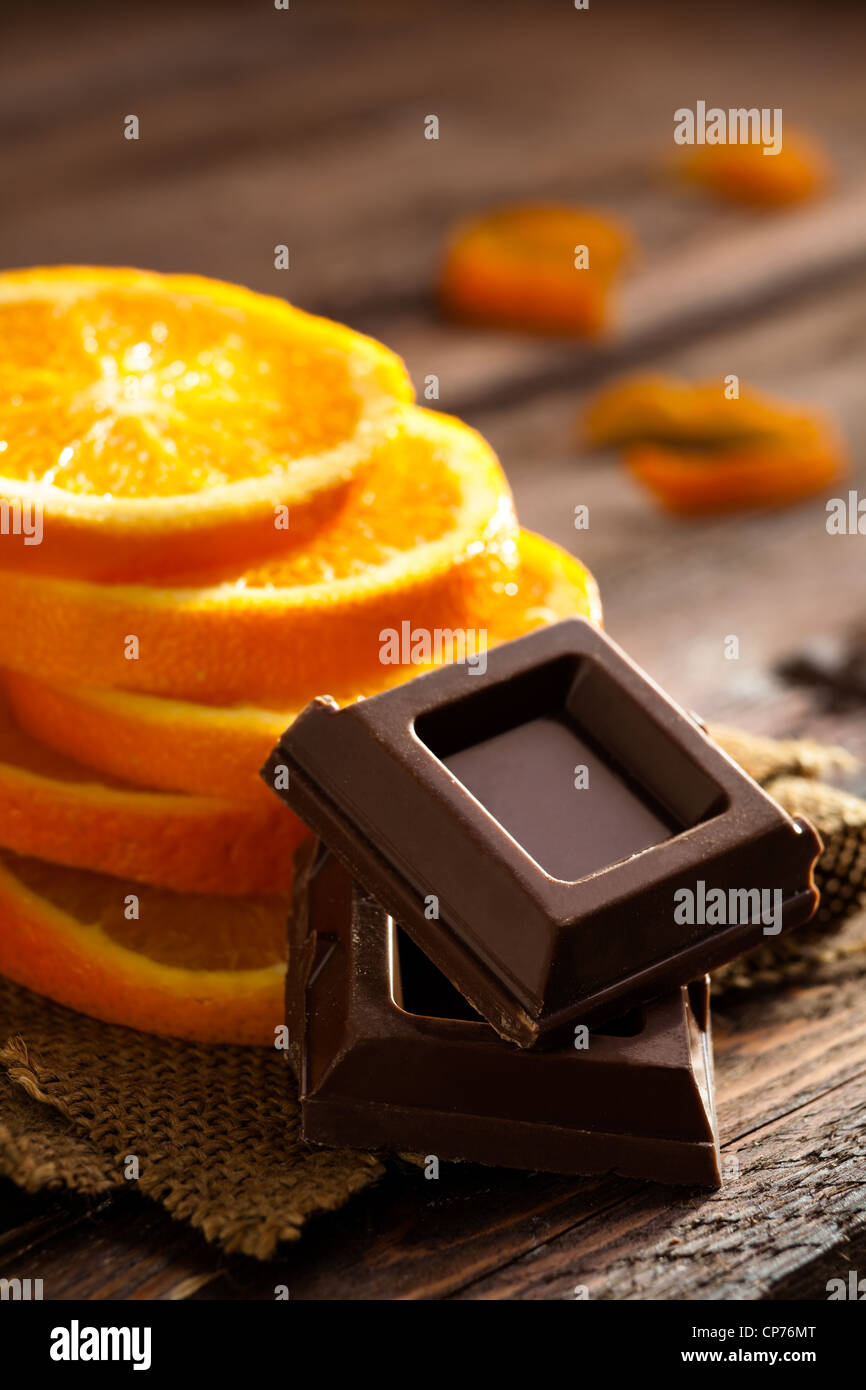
[(261, 127)]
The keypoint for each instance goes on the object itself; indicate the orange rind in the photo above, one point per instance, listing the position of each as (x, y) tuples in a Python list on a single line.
[(210, 970), (744, 173), (732, 478), (54, 808), (545, 268), (660, 410), (699, 451)]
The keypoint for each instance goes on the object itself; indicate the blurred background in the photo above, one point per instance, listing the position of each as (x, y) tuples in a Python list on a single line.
[(305, 127)]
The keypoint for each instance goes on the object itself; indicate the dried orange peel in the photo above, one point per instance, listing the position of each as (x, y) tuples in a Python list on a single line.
[(160, 420), (733, 477), (661, 410), (744, 173), (415, 539), (53, 807), (211, 751), (207, 969), (698, 451), (547, 268)]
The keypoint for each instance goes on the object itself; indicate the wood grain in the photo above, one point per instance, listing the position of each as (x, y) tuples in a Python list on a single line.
[(784, 1064), (758, 1233)]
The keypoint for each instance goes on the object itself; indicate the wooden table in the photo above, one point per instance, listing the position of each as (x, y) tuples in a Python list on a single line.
[(305, 127)]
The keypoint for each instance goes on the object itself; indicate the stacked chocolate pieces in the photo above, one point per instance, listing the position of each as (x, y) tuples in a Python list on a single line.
[(524, 869)]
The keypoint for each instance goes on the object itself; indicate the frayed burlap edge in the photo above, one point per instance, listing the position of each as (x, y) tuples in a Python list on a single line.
[(788, 769), (40, 1150), (766, 758), (209, 1132)]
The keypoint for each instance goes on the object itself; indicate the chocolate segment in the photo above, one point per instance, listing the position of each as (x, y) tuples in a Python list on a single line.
[(530, 826), (388, 1055)]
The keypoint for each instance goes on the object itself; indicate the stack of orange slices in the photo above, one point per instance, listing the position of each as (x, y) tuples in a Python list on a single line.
[(211, 507)]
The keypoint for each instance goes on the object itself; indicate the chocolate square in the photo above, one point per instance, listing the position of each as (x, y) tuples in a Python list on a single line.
[(529, 827), (388, 1055)]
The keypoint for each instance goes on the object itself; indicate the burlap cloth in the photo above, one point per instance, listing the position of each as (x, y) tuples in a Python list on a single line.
[(214, 1131)]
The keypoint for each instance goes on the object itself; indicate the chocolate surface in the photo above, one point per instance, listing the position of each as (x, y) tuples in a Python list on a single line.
[(388, 1055), (453, 800), (525, 777)]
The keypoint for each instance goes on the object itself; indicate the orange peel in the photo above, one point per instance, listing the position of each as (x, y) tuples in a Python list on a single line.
[(660, 410), (53, 808), (699, 451), (743, 173), (729, 479), (522, 267), (207, 969)]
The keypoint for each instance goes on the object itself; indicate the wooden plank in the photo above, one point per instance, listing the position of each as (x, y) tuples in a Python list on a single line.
[(714, 278), (794, 1212), (617, 1239), (34, 1222), (311, 132), (410, 1239), (86, 1254), (22, 1215), (776, 579), (778, 1055), (775, 1055)]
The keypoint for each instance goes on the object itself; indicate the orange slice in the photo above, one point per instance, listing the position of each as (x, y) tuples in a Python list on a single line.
[(772, 474), (744, 173), (545, 268), (53, 807), (655, 409), (700, 452), (207, 969), (418, 530), (160, 420), (195, 748)]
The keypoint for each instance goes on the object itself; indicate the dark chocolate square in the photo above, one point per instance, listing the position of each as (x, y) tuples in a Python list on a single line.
[(389, 1056), (530, 825)]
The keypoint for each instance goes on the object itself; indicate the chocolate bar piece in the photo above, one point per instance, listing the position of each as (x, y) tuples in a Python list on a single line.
[(388, 1055), (559, 837)]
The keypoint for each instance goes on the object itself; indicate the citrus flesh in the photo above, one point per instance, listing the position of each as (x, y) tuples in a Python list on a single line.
[(416, 538), (161, 419)]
